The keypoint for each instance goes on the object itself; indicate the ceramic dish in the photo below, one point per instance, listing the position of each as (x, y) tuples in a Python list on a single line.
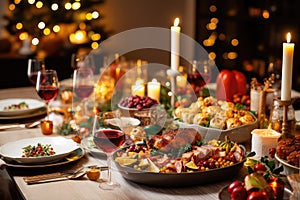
[(12, 151), (224, 195), (124, 121), (239, 134), (72, 157), (288, 168), (33, 106), (40, 112), (177, 179)]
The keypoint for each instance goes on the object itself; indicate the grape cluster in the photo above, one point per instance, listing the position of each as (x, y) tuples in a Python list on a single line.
[(138, 102)]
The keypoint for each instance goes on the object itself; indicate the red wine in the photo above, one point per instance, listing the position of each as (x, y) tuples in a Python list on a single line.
[(33, 77), (47, 93), (109, 140), (84, 91)]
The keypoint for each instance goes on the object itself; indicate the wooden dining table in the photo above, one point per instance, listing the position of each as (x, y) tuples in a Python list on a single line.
[(85, 188)]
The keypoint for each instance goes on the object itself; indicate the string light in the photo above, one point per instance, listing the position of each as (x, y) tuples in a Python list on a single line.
[(11, 7), (41, 25), (54, 7), (23, 36), (19, 26), (68, 6), (95, 14), (31, 1), (94, 45), (35, 41), (76, 5), (56, 28), (39, 4), (47, 31)]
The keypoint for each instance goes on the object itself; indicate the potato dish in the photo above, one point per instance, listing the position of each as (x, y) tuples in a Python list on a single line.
[(213, 113)]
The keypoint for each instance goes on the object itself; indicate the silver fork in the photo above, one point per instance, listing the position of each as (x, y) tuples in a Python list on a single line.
[(30, 125)]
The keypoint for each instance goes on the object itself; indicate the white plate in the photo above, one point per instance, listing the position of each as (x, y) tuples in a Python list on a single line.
[(12, 151), (124, 121), (33, 105)]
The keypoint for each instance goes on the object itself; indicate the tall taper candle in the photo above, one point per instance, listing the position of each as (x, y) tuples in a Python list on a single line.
[(175, 44), (287, 69)]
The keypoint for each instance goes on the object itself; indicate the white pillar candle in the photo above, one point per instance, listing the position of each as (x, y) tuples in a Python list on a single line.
[(153, 90), (287, 69), (138, 88), (175, 44)]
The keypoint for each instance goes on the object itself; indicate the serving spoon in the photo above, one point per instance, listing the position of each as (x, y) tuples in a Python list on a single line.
[(30, 125)]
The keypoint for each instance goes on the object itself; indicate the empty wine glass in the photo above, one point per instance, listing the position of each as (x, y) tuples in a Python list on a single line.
[(107, 140), (47, 86), (83, 85), (34, 65)]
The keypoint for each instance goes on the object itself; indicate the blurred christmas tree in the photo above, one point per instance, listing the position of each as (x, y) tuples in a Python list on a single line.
[(77, 21)]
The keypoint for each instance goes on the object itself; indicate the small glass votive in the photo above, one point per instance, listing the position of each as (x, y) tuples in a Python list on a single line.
[(47, 127)]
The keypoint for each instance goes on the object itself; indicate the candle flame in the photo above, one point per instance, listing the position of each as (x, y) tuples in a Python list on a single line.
[(154, 80), (176, 21), (288, 37)]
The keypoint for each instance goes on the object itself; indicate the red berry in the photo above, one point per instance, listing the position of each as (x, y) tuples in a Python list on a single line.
[(260, 167), (234, 185)]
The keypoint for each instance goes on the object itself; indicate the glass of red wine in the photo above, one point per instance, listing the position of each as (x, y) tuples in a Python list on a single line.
[(199, 75), (108, 140), (83, 85), (47, 86), (34, 65)]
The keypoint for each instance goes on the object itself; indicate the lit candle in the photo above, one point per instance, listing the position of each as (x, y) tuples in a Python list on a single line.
[(153, 90), (47, 127), (175, 44), (118, 70), (287, 69), (138, 88)]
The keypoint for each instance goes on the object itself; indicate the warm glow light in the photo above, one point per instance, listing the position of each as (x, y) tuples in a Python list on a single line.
[(211, 26), (266, 14), (222, 37), (11, 7), (96, 37), (234, 42), (212, 8), (41, 25), (17, 1), (214, 20), (95, 14), (31, 1), (176, 21), (35, 41), (212, 55), (94, 45), (47, 31), (39, 4), (56, 28), (82, 26), (288, 37), (23, 36), (76, 5), (68, 6), (54, 7), (89, 16), (19, 26), (232, 55)]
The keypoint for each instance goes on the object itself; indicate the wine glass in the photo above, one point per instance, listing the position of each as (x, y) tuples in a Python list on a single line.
[(108, 140), (83, 84), (34, 65), (200, 75), (47, 86)]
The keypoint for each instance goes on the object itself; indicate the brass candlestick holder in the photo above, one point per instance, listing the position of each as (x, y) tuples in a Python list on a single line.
[(286, 132)]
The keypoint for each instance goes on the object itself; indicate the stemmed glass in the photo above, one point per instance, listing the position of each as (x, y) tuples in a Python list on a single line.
[(47, 86), (200, 75), (83, 84), (108, 140), (34, 65)]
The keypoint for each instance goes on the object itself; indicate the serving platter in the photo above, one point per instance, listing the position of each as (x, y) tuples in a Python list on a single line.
[(12, 151), (177, 179), (33, 106), (288, 168), (240, 134), (70, 158)]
